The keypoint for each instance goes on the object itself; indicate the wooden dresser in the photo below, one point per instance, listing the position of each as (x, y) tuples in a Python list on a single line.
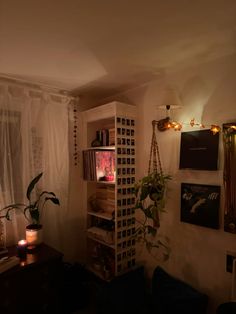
[(34, 285)]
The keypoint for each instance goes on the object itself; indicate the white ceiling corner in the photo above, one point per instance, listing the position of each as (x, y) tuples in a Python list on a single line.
[(104, 47)]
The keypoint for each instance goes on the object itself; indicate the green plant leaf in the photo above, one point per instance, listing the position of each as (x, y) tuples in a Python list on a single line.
[(32, 184), (13, 206), (27, 208), (53, 199), (46, 192), (152, 230), (144, 192), (148, 211), (34, 213)]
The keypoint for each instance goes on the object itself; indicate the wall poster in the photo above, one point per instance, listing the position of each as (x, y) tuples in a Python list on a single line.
[(200, 204), (199, 150)]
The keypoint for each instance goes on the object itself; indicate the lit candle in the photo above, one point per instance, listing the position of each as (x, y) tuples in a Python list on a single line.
[(22, 248)]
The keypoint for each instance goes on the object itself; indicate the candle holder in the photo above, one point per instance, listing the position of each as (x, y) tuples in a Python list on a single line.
[(22, 249)]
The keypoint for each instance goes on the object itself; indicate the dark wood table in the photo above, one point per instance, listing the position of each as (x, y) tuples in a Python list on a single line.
[(32, 286)]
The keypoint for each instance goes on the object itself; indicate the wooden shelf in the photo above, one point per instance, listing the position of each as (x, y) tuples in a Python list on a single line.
[(102, 148), (99, 273), (113, 197), (112, 246), (102, 182), (102, 215)]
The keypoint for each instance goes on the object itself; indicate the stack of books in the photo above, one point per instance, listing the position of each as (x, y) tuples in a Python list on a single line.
[(105, 137), (105, 198)]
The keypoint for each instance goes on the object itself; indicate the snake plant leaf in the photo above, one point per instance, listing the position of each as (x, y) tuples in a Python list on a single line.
[(32, 184), (46, 192), (17, 205), (8, 216), (28, 208), (34, 213), (53, 199)]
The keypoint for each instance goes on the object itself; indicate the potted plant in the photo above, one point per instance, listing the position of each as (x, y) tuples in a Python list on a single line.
[(150, 199), (32, 211)]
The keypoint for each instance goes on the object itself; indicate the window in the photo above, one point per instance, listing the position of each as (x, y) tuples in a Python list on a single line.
[(11, 152)]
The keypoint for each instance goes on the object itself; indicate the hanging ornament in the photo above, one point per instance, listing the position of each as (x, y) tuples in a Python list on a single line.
[(75, 133)]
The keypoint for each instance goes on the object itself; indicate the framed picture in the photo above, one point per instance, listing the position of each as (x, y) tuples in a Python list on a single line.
[(199, 150), (200, 204), (229, 140)]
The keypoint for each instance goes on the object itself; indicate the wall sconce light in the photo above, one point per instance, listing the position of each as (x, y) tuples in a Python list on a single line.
[(171, 101)]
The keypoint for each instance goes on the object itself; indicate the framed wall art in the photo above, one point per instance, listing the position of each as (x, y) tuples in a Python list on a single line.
[(199, 150), (200, 204)]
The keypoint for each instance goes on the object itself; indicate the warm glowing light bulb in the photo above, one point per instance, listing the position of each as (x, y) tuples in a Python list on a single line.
[(192, 122), (168, 125), (178, 127), (215, 129)]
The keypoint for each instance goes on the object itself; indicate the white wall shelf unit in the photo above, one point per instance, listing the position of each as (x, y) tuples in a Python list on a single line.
[(109, 205)]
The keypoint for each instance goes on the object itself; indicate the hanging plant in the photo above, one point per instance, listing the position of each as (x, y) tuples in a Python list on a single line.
[(150, 199), (150, 192)]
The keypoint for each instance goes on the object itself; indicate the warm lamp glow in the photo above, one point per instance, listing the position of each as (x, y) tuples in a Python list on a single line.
[(166, 124), (170, 101), (177, 126), (215, 129), (22, 242), (22, 248)]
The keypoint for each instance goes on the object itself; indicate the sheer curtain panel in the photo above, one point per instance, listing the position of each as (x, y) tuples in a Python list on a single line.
[(34, 139)]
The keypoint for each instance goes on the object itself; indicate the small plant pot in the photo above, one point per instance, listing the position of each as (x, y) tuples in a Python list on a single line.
[(34, 235)]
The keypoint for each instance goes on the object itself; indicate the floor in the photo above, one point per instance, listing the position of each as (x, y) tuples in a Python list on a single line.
[(93, 296), (87, 310), (90, 306)]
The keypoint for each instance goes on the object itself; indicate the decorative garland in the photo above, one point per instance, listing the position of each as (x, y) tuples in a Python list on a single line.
[(75, 133)]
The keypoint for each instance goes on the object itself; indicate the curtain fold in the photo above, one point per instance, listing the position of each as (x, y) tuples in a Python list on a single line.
[(34, 139)]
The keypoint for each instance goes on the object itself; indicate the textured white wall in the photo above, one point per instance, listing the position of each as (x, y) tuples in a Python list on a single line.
[(198, 254)]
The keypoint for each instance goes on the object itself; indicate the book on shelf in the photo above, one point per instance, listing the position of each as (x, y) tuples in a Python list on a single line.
[(111, 136), (105, 137), (101, 234), (99, 165), (105, 192), (105, 198), (106, 205)]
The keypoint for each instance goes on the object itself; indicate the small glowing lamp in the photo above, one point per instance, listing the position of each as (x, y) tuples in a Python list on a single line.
[(215, 129)]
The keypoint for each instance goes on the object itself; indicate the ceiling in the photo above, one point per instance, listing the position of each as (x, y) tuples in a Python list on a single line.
[(104, 47)]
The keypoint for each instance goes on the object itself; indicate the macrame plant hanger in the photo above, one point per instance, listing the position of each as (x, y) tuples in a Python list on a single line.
[(154, 163)]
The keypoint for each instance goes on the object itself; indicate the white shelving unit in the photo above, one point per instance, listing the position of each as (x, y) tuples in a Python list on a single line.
[(109, 205)]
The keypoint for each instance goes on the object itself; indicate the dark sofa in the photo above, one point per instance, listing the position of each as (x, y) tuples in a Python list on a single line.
[(168, 295), (171, 295)]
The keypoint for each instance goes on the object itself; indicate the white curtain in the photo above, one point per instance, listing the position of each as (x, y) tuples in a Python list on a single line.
[(34, 139)]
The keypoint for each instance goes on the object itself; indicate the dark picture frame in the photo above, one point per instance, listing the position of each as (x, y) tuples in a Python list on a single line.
[(199, 150), (229, 140), (200, 204)]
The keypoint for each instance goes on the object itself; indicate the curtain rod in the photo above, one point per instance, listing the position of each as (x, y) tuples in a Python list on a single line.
[(36, 86)]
